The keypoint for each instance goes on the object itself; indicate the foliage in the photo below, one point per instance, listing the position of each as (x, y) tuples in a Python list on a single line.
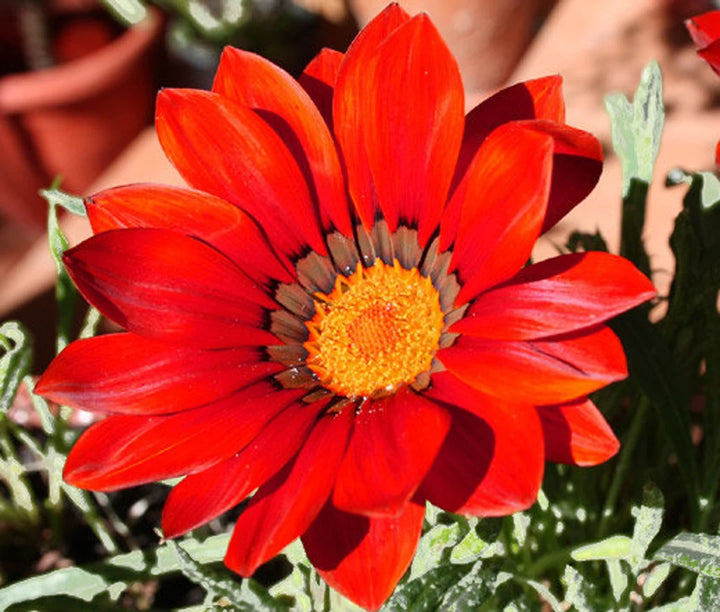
[(635, 533)]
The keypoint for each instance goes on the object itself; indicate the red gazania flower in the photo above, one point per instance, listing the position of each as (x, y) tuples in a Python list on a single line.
[(339, 316), (705, 32)]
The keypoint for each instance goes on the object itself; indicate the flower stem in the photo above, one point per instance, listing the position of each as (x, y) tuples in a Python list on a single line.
[(628, 447)]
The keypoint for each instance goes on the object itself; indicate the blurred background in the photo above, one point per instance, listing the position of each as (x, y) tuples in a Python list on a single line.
[(78, 80)]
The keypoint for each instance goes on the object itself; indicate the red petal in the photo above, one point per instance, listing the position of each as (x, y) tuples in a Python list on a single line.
[(577, 433), (711, 54), (256, 83), (535, 99), (704, 28), (194, 213), (319, 78), (165, 285), (285, 506), (393, 445), (540, 372), (348, 112), (481, 468), (412, 120), (556, 296), (504, 197), (230, 151), (577, 165), (202, 496), (129, 374), (124, 451), (363, 557)]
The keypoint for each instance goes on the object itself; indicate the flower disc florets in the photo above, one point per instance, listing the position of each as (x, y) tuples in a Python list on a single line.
[(368, 320), (377, 330)]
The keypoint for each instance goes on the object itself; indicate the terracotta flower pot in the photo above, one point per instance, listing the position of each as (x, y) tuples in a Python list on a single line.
[(487, 37), (72, 119)]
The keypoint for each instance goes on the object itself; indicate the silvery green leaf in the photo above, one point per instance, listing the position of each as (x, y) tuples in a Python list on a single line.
[(637, 126), (15, 361), (706, 595), (614, 547), (685, 604), (618, 578), (546, 595), (130, 12), (521, 522), (432, 546), (426, 592), (694, 551), (245, 596), (85, 583), (648, 520), (471, 590), (655, 577), (710, 194), (73, 204), (471, 548), (576, 590)]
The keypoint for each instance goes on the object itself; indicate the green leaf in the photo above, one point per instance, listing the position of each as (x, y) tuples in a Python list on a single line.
[(706, 595), (15, 361), (63, 603), (697, 552), (692, 323), (471, 591), (471, 548), (648, 520), (576, 590), (424, 594), (637, 127), (303, 584), (547, 595), (56, 197), (521, 523), (88, 582), (636, 131), (432, 546), (653, 368), (710, 194), (684, 604), (614, 547), (247, 596), (65, 293), (618, 578), (73, 581), (654, 579), (129, 12)]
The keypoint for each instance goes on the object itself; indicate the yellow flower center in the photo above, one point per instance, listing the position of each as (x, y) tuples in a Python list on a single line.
[(377, 330)]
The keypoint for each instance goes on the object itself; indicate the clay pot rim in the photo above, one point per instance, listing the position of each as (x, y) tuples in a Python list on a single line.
[(81, 78)]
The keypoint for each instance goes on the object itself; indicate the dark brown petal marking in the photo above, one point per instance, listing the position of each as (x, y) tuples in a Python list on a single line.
[(288, 354), (382, 242), (288, 327), (406, 247), (343, 252), (316, 273), (296, 300)]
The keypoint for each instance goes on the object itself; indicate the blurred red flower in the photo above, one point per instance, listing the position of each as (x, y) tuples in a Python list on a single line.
[(705, 31), (340, 317)]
